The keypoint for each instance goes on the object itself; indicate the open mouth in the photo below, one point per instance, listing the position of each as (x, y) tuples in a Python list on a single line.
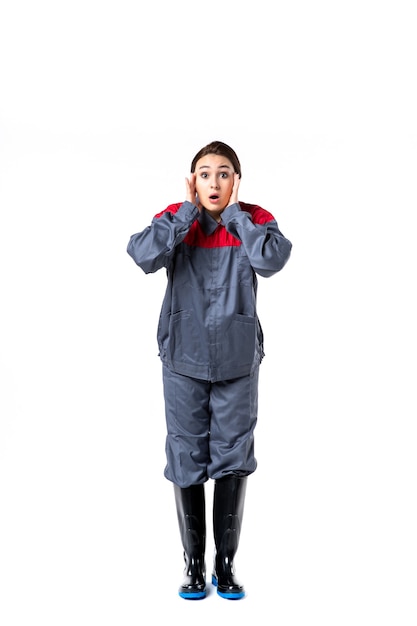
[(214, 197)]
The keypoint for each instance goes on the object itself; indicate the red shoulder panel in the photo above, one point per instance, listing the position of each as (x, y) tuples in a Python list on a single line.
[(259, 215)]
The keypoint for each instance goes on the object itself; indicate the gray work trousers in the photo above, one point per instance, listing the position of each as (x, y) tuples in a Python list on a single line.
[(210, 427)]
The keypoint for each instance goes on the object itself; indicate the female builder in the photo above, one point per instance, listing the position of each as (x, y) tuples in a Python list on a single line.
[(211, 345)]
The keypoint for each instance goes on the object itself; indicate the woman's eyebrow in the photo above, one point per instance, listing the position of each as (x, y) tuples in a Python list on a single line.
[(202, 167)]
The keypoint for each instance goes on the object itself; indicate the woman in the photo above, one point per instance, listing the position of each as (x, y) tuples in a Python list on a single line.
[(210, 341)]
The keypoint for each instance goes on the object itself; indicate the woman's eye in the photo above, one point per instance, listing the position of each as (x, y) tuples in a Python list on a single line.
[(203, 174), (224, 175)]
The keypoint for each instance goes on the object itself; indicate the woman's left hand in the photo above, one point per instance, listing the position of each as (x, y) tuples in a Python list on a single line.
[(234, 195)]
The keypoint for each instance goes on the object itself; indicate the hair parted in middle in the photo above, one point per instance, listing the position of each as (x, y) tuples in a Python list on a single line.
[(221, 149)]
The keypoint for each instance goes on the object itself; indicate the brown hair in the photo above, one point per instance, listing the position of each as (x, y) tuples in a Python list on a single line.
[(220, 148)]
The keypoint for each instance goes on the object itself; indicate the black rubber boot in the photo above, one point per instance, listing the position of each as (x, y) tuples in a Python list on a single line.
[(228, 504), (191, 510)]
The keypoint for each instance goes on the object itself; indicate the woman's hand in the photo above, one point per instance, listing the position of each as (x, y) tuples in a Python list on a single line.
[(190, 191), (234, 195)]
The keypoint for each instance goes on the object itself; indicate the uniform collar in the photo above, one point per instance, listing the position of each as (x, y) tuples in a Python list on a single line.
[(207, 223)]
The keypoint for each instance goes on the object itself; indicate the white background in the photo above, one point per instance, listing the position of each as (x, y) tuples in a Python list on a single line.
[(102, 107)]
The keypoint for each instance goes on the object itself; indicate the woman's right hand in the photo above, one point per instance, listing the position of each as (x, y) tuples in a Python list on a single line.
[(191, 192)]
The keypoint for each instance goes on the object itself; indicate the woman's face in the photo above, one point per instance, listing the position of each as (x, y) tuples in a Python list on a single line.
[(214, 183)]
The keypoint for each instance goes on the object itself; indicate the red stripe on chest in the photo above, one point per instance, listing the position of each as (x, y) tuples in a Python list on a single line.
[(218, 239)]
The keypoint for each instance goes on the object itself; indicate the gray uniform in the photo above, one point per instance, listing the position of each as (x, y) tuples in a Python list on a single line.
[(209, 335)]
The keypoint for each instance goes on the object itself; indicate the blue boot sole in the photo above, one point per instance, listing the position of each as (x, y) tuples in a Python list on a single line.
[(227, 596)]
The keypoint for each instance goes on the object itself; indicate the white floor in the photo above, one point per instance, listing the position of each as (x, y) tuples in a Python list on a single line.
[(89, 533)]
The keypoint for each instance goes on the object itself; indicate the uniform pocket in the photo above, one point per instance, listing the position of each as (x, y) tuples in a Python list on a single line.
[(185, 345), (239, 344)]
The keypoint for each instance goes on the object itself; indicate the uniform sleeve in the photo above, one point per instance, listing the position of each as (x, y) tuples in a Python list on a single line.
[(154, 247), (267, 248)]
